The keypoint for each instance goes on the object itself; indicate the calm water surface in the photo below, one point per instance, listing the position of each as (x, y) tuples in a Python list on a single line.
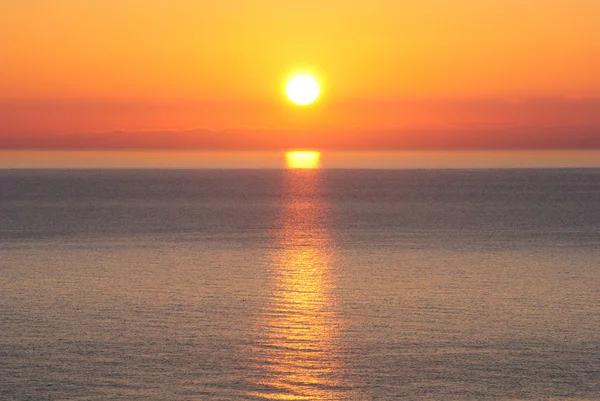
[(299, 285)]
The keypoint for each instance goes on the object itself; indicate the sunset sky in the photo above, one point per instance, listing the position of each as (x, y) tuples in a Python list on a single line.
[(194, 74)]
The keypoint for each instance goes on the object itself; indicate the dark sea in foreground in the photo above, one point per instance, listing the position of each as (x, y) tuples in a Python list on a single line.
[(299, 285)]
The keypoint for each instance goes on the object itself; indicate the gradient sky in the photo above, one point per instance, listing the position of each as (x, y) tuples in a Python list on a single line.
[(194, 74)]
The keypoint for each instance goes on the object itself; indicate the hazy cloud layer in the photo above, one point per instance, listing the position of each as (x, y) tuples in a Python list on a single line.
[(562, 137), (544, 123)]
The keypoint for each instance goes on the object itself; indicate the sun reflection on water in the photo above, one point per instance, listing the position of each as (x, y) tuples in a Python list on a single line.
[(298, 356), (303, 159)]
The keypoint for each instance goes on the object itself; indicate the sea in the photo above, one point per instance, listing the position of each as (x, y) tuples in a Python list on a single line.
[(279, 284)]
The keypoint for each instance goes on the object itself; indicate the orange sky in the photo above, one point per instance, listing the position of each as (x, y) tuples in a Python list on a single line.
[(194, 74)]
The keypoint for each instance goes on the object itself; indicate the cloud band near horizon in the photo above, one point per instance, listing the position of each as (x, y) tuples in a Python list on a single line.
[(525, 138), (534, 123)]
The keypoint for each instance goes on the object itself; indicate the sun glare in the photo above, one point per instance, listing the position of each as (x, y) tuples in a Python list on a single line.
[(302, 90), (303, 159)]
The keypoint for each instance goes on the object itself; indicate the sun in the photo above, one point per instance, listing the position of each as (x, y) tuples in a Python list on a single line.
[(302, 90)]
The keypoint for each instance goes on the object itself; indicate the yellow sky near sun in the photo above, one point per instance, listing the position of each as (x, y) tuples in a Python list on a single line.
[(237, 50)]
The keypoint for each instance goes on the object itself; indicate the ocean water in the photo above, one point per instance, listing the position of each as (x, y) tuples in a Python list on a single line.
[(299, 285)]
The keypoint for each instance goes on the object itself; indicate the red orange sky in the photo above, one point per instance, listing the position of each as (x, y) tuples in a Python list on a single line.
[(194, 74)]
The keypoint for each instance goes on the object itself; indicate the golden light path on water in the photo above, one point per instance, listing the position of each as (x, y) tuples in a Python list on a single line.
[(298, 356)]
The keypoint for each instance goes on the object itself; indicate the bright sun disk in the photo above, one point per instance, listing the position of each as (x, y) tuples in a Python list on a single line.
[(302, 90)]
